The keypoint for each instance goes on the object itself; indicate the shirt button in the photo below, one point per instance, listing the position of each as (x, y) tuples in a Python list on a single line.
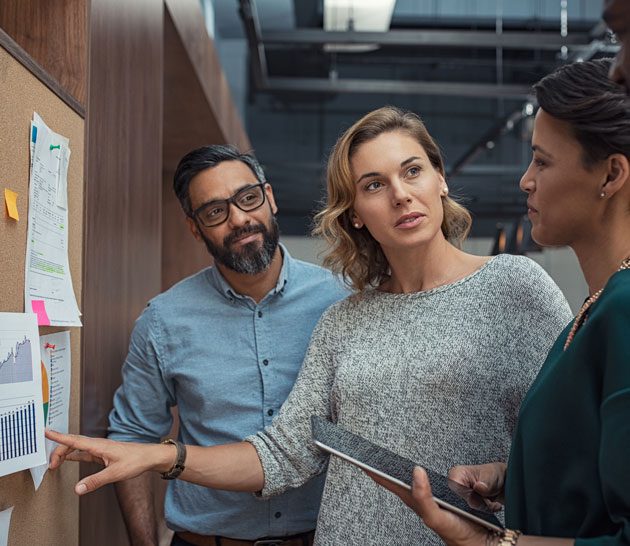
[(270, 412), (265, 362), (259, 314), (278, 514)]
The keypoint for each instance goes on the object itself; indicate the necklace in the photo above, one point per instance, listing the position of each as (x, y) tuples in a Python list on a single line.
[(580, 318)]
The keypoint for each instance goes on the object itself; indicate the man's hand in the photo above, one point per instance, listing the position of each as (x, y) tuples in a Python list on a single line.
[(486, 479), (122, 460)]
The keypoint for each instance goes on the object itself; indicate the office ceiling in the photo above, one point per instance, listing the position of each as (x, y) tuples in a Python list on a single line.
[(465, 66)]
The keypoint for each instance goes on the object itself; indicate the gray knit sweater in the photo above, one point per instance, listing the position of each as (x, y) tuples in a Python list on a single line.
[(436, 376)]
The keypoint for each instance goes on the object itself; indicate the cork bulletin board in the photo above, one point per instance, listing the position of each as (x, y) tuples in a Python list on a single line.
[(50, 515)]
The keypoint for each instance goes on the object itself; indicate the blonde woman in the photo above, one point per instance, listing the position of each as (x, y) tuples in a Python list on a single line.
[(431, 357)]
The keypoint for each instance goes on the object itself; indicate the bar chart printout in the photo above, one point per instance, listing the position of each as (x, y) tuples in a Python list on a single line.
[(17, 431), (21, 409)]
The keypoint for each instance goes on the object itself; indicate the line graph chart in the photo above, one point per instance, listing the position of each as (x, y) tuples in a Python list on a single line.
[(17, 364)]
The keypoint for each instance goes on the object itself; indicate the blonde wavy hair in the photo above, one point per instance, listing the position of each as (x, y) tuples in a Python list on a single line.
[(354, 253)]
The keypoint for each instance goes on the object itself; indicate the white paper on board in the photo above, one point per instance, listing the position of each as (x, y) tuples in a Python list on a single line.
[(61, 197), (5, 525), (47, 281), (55, 352)]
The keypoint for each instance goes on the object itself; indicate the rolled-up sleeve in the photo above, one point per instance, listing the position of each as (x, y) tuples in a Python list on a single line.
[(142, 403), (285, 448)]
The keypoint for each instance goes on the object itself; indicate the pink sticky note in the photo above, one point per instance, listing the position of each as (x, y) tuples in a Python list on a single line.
[(39, 308)]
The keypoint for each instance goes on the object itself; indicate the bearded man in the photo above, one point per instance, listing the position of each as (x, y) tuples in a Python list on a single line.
[(225, 346)]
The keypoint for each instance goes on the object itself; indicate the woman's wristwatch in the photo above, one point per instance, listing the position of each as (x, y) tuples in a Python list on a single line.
[(178, 465)]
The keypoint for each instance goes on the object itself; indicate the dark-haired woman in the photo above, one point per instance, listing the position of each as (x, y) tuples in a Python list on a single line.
[(437, 345), (569, 469)]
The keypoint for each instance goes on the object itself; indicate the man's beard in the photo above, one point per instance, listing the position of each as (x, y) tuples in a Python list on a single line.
[(251, 258)]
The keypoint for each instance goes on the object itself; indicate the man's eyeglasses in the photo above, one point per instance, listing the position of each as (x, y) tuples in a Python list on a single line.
[(216, 212)]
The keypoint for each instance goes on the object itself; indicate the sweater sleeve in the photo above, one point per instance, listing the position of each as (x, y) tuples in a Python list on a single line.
[(285, 448), (540, 313), (615, 421)]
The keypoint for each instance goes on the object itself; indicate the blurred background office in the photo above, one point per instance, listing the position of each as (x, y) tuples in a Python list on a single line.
[(149, 80)]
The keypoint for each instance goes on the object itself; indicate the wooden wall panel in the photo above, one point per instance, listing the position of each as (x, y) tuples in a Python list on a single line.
[(54, 33), (189, 119), (188, 21), (198, 110), (123, 213)]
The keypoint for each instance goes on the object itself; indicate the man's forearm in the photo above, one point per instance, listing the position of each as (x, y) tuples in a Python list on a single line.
[(135, 497)]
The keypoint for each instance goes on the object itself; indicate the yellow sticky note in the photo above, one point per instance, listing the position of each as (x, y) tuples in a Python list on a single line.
[(11, 197)]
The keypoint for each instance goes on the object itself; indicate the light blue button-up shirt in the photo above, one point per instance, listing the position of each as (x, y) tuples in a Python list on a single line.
[(228, 364)]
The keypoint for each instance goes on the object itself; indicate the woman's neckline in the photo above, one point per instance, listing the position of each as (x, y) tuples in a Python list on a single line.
[(436, 289)]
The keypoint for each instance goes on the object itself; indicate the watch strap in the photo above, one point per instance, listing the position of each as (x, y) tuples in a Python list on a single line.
[(178, 465)]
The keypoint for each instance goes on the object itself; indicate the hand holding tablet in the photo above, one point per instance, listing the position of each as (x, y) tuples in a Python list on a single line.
[(448, 494)]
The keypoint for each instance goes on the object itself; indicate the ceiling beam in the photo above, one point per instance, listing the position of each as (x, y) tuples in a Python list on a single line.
[(266, 83), (431, 38), (399, 87)]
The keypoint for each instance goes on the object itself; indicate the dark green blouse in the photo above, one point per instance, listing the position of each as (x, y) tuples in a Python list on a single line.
[(569, 468)]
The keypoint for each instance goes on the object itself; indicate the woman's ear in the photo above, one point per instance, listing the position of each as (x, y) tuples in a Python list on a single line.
[(356, 220), (443, 186), (617, 174)]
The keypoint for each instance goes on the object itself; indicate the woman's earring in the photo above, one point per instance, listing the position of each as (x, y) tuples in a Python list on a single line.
[(357, 225), (602, 195)]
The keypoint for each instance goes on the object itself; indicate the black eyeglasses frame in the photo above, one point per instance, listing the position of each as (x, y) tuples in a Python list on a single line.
[(230, 201)]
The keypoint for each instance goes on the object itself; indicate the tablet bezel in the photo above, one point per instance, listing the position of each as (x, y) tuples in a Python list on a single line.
[(439, 502)]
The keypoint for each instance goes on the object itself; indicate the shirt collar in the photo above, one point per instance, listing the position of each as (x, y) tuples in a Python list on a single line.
[(218, 281)]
